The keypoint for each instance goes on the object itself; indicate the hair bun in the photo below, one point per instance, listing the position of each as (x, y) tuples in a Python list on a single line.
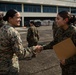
[(5, 18)]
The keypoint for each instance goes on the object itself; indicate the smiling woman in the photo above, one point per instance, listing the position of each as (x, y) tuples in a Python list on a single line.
[(65, 30), (11, 47), (13, 17)]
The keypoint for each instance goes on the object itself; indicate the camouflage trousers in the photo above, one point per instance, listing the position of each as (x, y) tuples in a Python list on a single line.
[(68, 69), (13, 72), (10, 73)]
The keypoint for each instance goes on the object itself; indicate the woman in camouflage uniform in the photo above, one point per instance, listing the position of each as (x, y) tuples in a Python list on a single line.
[(11, 47), (65, 30)]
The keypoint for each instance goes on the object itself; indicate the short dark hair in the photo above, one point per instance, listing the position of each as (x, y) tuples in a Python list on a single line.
[(32, 22)]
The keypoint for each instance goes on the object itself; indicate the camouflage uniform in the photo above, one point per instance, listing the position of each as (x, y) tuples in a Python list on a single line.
[(32, 36), (10, 50), (2, 23), (70, 64)]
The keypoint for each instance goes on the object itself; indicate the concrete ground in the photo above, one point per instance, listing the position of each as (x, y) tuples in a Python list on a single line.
[(46, 62)]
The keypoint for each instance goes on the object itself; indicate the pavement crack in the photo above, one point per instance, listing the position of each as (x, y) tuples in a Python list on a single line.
[(44, 69)]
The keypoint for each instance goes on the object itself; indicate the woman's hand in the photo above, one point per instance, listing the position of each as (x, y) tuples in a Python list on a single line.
[(38, 48), (62, 62)]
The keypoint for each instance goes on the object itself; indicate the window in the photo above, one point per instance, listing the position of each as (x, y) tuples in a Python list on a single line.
[(73, 10), (7, 6), (63, 9), (49, 9), (2, 7), (32, 8)]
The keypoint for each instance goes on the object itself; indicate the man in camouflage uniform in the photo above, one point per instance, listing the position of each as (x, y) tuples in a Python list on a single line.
[(32, 35)]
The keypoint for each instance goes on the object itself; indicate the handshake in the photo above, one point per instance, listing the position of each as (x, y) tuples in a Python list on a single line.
[(38, 48)]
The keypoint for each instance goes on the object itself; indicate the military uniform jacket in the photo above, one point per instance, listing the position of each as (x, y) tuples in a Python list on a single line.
[(62, 35), (32, 34), (11, 49), (2, 23)]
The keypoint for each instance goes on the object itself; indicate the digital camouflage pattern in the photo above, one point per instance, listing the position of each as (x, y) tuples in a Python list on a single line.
[(11, 49), (2, 23), (70, 64), (32, 36)]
